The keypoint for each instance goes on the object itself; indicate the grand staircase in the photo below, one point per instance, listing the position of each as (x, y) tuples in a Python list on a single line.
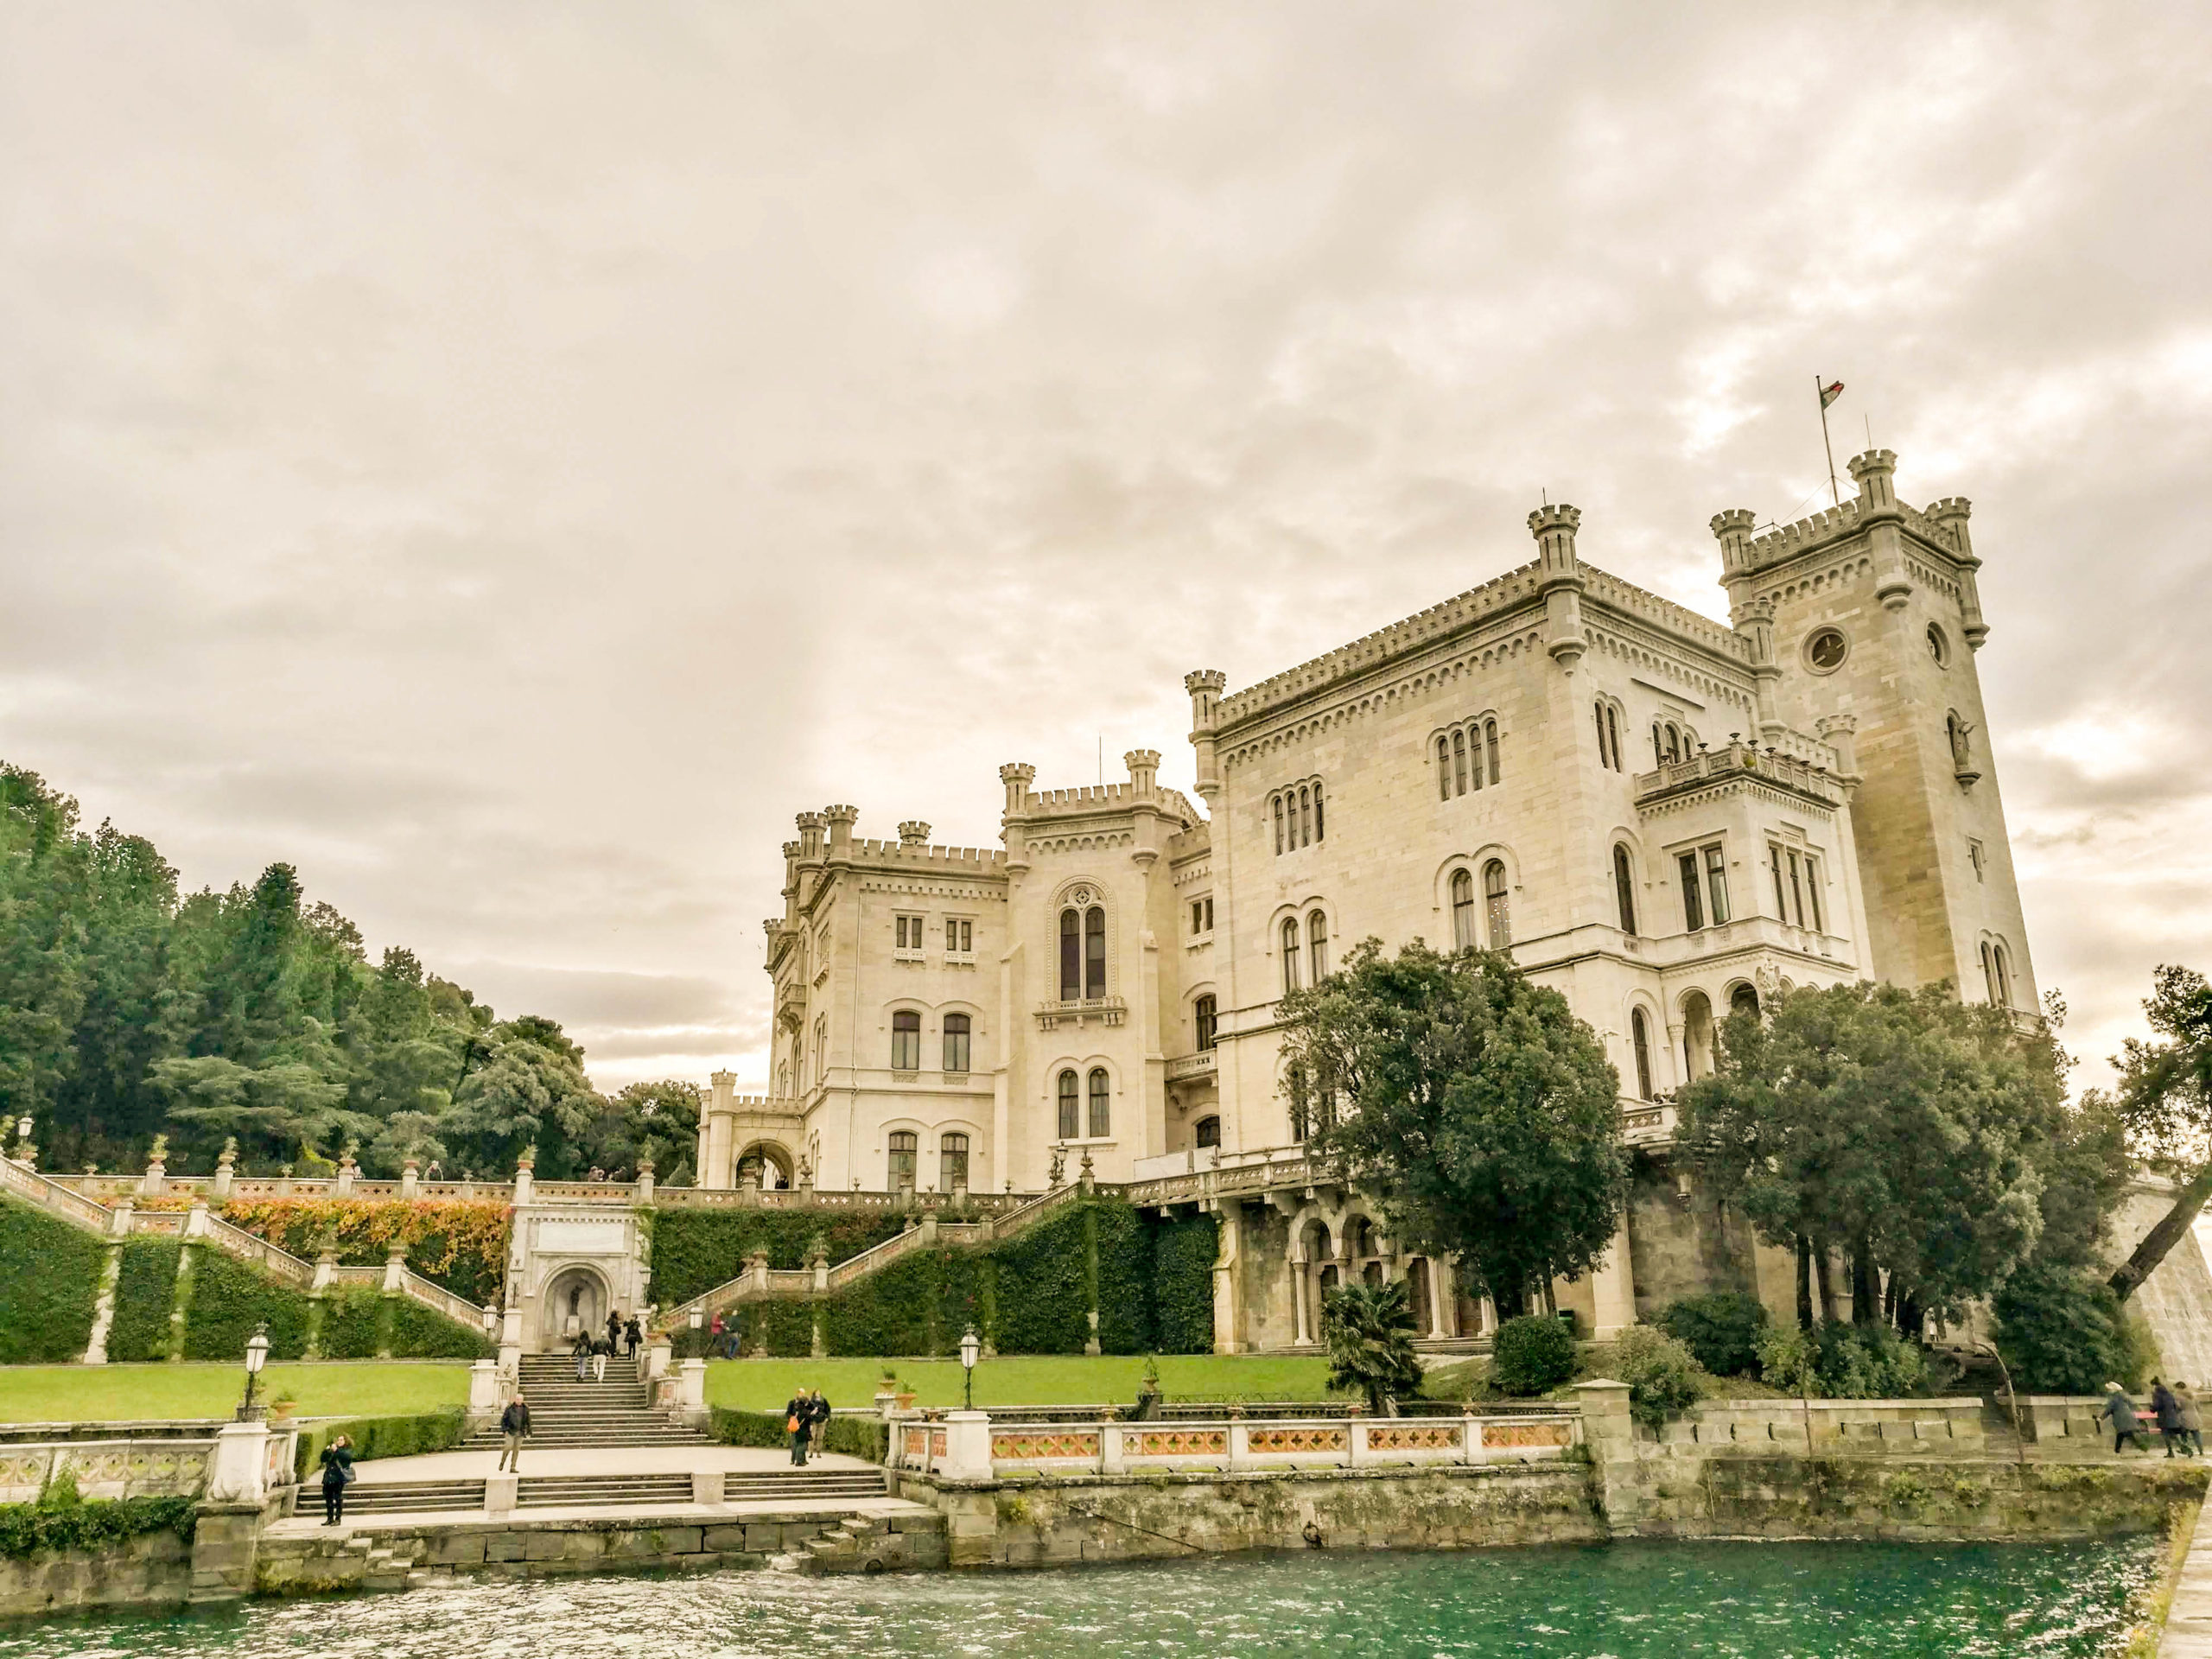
[(566, 1413)]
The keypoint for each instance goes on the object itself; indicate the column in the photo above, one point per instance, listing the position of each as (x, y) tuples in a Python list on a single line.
[(1613, 1289), (1297, 1265)]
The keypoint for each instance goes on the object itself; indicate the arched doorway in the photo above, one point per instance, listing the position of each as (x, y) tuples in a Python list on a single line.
[(1417, 1288), (1697, 1036), (576, 1299), (766, 1163)]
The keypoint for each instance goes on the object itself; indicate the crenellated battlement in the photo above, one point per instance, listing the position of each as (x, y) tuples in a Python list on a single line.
[(1105, 798), (960, 860), (1676, 618), (1937, 526)]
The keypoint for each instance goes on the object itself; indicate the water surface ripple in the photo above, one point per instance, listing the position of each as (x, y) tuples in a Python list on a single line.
[(1621, 1601)]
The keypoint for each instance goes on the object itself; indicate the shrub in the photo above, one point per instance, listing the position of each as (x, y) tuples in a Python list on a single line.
[(2062, 1331), (49, 1278), (29, 1529), (1660, 1373), (459, 1243), (1043, 1290), (1842, 1362), (1183, 1254), (1722, 1330), (1369, 1330), (1530, 1354), (852, 1437), (140, 1329), (383, 1437), (230, 1299)]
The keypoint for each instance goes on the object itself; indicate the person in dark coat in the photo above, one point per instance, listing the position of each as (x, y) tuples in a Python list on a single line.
[(514, 1424), (2192, 1421), (337, 1474), (798, 1423), (600, 1348), (819, 1419), (613, 1332), (2170, 1423), (2120, 1410), (633, 1335), (581, 1349)]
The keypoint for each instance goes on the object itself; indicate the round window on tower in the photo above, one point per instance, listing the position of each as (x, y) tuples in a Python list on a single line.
[(1825, 649), (1938, 646)]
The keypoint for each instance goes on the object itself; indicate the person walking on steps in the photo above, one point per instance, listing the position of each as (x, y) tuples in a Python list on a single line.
[(798, 1423), (632, 1336), (600, 1348), (2120, 1410), (821, 1421), (514, 1424), (2169, 1410), (613, 1333), (337, 1475), (2192, 1424), (581, 1349)]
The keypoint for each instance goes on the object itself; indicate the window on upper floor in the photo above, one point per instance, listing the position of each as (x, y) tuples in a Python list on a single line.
[(1071, 956), (1083, 953), (1279, 825), (1692, 895), (907, 931), (1102, 1104), (1459, 765), (1609, 736), (1625, 887), (1711, 863), (1070, 1104), (1208, 1133), (2004, 976), (1978, 856), (1744, 998), (1290, 939), (1989, 973), (1316, 940), (1206, 1018), (1444, 768), (959, 936), (1490, 746), (1796, 876), (1494, 905), (1202, 915), (1716, 883), (1094, 952), (1640, 1039), (905, 1041), (957, 1026), (1463, 911), (905, 1146), (951, 1162)]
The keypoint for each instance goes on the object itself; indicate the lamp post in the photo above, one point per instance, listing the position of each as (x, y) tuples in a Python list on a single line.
[(698, 1319), (256, 1356), (971, 1346)]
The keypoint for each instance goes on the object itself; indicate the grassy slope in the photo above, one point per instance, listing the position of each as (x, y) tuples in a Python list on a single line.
[(766, 1384), (57, 1394)]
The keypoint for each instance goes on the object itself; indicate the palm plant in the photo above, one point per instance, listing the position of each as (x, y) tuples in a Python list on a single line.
[(1369, 1331)]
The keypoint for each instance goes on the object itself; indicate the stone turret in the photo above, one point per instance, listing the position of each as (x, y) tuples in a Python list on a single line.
[(1017, 775), (1732, 529), (914, 833), (1755, 622), (1559, 579), (810, 837), (1875, 472), (1949, 516), (1205, 686), (1144, 773), (841, 820)]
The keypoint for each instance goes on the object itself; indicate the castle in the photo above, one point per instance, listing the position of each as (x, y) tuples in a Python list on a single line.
[(1662, 817)]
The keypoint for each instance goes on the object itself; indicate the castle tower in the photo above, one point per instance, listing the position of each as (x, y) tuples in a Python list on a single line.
[(1559, 579), (1864, 622)]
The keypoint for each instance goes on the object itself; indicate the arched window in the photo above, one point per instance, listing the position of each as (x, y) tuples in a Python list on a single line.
[(1071, 956), (1320, 829), (2004, 978), (1094, 952), (1463, 911), (1989, 973), (1209, 1133), (1501, 923), (1639, 1030), (1613, 731), (1101, 1108), (1278, 826), (1744, 1000), (1673, 745), (1625, 888), (1203, 1016), (905, 1146), (1490, 742), (1070, 1125), (1443, 769), (1603, 758), (1658, 746), (956, 1042), (1317, 936), (1305, 817), (951, 1162), (1459, 764), (1697, 1035), (1290, 953), (905, 1041), (1300, 1113)]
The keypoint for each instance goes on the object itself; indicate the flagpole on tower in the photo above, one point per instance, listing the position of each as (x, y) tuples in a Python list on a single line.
[(1826, 395)]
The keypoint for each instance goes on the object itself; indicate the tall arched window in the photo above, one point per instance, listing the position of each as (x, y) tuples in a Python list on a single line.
[(1463, 911), (1320, 829), (1658, 746), (1094, 952), (1305, 817), (2004, 978), (1625, 887), (1599, 710), (1490, 743), (1459, 764), (1443, 769), (1209, 1133), (1501, 923), (1673, 745), (1290, 953), (1744, 1000), (1613, 730), (1317, 936), (956, 1042), (905, 1041), (1278, 826), (905, 1145), (1639, 1030), (1071, 956), (951, 1162), (1102, 1106), (1070, 1125), (1207, 1020), (1989, 973)]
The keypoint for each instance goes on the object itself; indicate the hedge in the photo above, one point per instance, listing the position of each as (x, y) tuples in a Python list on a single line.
[(692, 1251), (852, 1437), (459, 1243), (418, 1333), (1183, 1254), (140, 1329), (229, 1300), (382, 1437), (93, 1525), (49, 1279), (1043, 1289), (350, 1321)]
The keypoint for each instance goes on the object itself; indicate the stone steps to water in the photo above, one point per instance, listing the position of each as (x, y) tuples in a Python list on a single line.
[(585, 1491), (876, 1543), (577, 1492)]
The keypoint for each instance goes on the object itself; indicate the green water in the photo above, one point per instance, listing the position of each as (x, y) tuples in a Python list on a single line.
[(1623, 1601)]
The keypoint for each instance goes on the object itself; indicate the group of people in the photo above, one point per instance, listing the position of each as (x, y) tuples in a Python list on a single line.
[(592, 1352), (2174, 1410), (805, 1415), (722, 1334)]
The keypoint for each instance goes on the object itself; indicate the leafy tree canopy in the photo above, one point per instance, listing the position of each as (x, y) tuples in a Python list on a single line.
[(2165, 1101)]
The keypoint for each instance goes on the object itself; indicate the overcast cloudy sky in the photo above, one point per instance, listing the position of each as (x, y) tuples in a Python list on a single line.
[(506, 460)]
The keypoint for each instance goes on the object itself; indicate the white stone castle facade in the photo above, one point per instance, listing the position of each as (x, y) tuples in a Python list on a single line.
[(1659, 815)]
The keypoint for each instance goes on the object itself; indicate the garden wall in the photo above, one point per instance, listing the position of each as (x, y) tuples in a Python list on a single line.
[(135, 1552)]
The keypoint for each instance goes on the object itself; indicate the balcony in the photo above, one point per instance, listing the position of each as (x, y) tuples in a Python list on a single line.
[(1082, 1011), (1736, 764), (1200, 1065)]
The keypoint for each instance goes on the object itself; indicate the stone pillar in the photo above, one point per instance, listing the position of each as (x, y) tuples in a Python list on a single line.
[(326, 1270), (126, 1214), (226, 1539), (523, 1167), (195, 1220), (691, 1388), (1441, 1297), (346, 1170), (1610, 1433), (500, 1492), (155, 1183), (410, 1179), (1612, 1289), (483, 1389), (1298, 1298), (967, 1446), (644, 1180), (224, 1167), (659, 1353), (395, 1268)]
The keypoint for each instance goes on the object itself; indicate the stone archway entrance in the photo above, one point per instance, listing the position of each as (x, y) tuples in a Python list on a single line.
[(576, 1299)]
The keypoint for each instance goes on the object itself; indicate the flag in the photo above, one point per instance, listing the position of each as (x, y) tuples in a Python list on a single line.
[(1829, 394)]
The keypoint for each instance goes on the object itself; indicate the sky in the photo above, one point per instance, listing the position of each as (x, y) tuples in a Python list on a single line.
[(507, 461)]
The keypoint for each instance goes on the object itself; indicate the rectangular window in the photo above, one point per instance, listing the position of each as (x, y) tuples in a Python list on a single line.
[(1813, 893), (959, 936), (1198, 912), (1716, 884), (1796, 890), (952, 1163), (1094, 953), (1693, 910), (908, 932), (1209, 915), (1781, 892)]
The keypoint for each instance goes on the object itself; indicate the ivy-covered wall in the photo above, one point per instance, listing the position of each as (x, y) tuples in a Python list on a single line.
[(140, 1329), (460, 1244), (694, 1251), (1183, 1252), (49, 1278)]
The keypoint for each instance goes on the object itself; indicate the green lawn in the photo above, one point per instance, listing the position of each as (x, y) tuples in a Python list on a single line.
[(86, 1393), (1029, 1379)]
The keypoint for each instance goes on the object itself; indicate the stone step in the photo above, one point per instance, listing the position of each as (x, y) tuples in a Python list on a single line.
[(388, 1497), (553, 1491)]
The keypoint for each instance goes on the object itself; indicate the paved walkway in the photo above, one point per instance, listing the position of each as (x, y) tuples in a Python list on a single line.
[(476, 1462), (2189, 1618), (308, 1523)]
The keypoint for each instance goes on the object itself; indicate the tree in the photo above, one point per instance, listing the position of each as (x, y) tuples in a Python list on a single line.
[(530, 1092), (1369, 1331), (1481, 1114), (1911, 1130), (658, 1121), (2166, 1100)]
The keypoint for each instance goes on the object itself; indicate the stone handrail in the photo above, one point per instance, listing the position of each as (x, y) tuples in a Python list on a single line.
[(51, 1195), (119, 1467), (276, 1261)]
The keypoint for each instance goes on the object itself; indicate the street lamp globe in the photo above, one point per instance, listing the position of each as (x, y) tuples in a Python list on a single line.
[(256, 1356), (971, 1348)]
